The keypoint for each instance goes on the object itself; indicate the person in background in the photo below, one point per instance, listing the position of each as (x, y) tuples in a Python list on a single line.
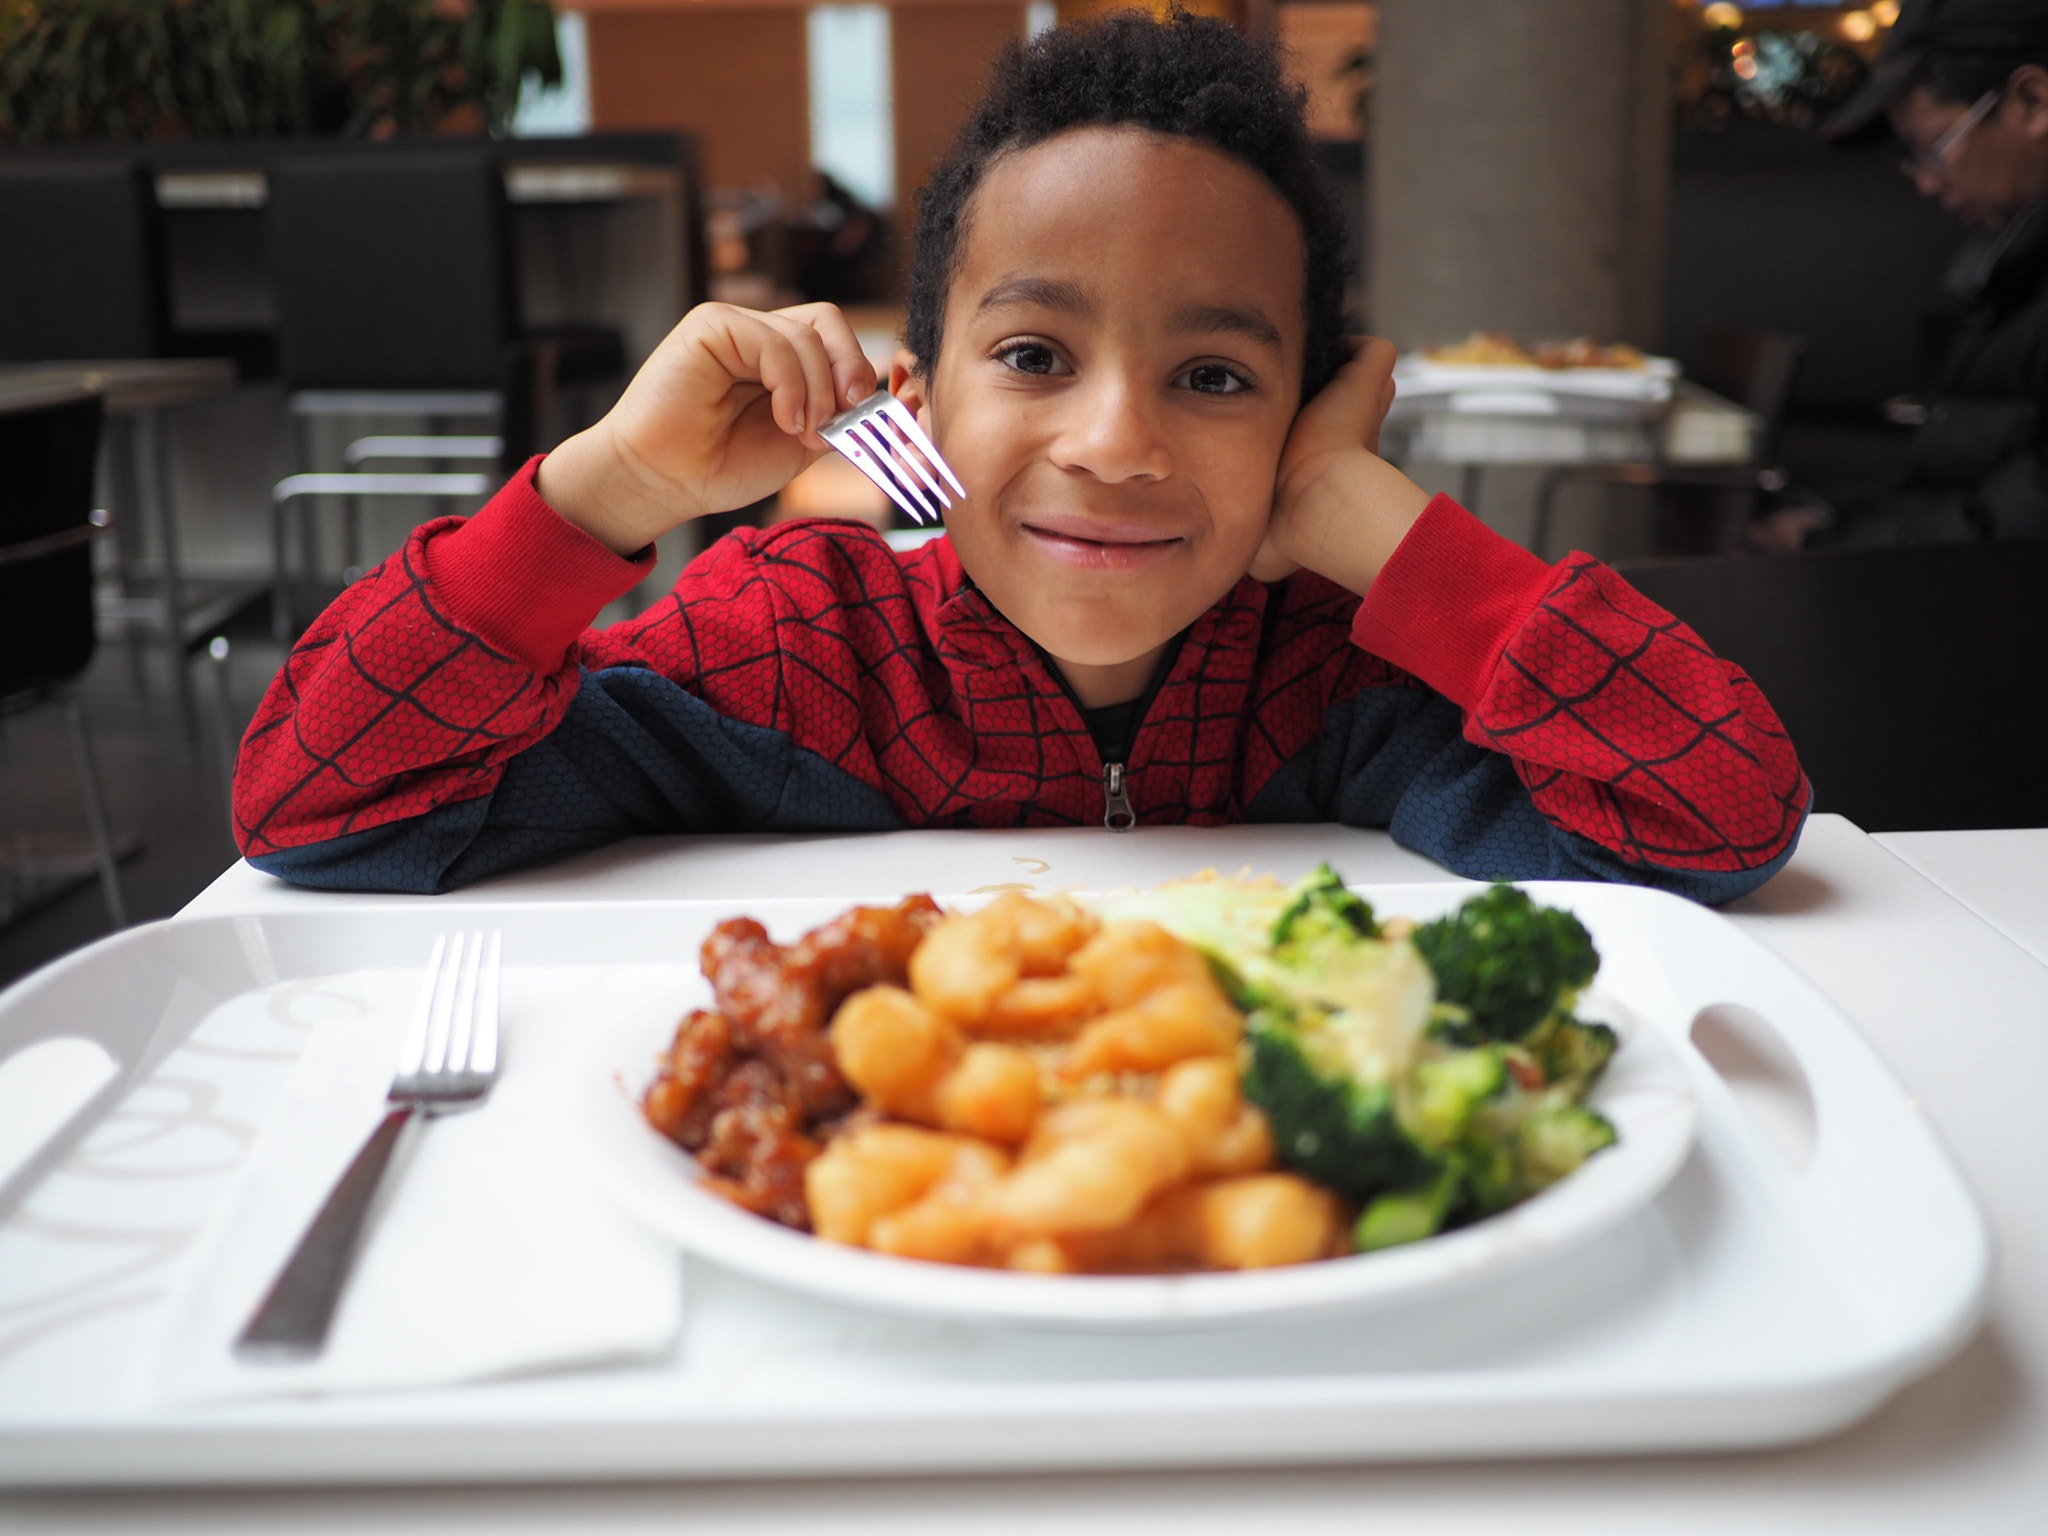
[(1962, 86), (834, 240)]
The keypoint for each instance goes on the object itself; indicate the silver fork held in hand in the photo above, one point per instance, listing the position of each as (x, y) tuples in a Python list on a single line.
[(885, 443), (450, 1061)]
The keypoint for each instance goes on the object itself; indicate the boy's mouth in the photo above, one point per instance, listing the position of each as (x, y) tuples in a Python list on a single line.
[(1096, 544)]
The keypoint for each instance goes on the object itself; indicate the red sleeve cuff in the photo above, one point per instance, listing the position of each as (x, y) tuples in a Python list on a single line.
[(1450, 600), (523, 580)]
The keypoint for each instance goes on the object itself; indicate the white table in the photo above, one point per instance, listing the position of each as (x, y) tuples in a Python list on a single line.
[(1957, 1009), (1698, 428), (1997, 875)]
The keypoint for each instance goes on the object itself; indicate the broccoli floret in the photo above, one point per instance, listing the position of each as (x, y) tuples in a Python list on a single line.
[(1407, 1215), (1556, 1140), (1327, 1125), (1319, 910), (1524, 1144), (1570, 1051), (1503, 965), (1489, 1177), (1437, 1100), (1433, 1082)]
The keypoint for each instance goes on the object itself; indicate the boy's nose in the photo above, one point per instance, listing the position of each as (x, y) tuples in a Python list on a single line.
[(1110, 431)]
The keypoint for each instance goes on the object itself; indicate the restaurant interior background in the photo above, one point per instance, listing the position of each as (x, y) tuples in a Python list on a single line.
[(1635, 170)]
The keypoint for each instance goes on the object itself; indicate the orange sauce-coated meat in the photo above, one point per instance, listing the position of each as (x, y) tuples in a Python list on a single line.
[(746, 1086)]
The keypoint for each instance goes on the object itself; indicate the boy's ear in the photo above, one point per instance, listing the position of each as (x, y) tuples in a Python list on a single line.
[(910, 386)]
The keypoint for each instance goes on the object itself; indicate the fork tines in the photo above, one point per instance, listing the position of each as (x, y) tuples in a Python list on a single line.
[(886, 444), (451, 1050)]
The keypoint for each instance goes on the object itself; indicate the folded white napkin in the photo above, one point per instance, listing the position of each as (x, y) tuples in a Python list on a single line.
[(488, 1253)]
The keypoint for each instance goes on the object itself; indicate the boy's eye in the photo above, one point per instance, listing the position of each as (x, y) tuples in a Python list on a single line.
[(1032, 357), (1214, 379)]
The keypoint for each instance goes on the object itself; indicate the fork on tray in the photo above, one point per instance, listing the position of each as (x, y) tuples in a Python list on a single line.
[(449, 1062), (887, 445)]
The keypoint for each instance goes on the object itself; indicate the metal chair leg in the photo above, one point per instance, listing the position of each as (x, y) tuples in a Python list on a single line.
[(123, 488), (217, 650), (96, 814), (1546, 503), (156, 449), (280, 580), (1468, 488)]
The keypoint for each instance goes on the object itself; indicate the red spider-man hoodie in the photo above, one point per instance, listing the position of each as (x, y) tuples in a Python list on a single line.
[(453, 714)]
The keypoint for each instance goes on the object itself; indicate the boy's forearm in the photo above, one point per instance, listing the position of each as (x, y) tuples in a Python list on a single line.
[(592, 483), (1347, 516), (426, 676)]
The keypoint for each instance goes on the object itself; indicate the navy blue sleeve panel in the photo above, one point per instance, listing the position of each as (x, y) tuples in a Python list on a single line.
[(1397, 758), (635, 754)]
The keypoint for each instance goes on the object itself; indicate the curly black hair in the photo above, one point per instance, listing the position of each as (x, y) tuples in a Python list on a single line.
[(1189, 76)]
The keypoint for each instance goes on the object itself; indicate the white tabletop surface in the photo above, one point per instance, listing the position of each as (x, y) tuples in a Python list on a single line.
[(1997, 875), (1955, 1007)]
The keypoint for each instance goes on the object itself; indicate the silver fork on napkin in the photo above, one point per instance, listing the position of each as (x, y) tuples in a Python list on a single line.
[(449, 1062), (887, 445)]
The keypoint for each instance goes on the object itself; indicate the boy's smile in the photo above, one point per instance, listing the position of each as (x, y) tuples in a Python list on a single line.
[(1120, 364)]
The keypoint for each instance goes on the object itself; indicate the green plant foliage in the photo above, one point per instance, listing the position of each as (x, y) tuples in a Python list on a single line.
[(86, 70)]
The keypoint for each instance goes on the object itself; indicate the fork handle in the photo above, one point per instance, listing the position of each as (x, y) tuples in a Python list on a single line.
[(293, 1320)]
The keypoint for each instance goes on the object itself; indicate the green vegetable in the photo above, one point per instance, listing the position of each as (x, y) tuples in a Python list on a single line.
[(1569, 1050), (1504, 964), (1407, 1215), (1320, 914), (1434, 1080), (1328, 1125), (1439, 1097), (1556, 1140)]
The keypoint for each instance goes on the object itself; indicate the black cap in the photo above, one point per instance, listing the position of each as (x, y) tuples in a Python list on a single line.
[(1929, 27)]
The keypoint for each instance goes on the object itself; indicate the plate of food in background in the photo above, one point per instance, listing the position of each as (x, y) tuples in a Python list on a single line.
[(1490, 367), (1209, 1101)]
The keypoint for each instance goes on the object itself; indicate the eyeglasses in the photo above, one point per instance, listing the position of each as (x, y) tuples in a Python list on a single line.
[(1933, 160)]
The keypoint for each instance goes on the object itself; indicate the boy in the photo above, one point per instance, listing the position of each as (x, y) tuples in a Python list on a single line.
[(1148, 608)]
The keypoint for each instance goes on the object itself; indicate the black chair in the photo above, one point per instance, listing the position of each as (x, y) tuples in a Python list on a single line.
[(82, 262), (1758, 370), (397, 296), (84, 278), (47, 525), (394, 276), (87, 252), (1914, 682)]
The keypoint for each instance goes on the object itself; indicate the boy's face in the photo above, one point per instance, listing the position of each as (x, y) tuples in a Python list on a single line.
[(1120, 365)]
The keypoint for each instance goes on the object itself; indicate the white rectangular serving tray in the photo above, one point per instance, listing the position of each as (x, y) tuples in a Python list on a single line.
[(1816, 1252)]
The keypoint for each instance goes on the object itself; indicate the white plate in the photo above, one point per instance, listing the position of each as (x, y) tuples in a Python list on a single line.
[(1417, 375), (1644, 1093)]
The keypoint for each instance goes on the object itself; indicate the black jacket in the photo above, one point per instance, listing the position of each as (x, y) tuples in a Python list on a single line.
[(1979, 466)]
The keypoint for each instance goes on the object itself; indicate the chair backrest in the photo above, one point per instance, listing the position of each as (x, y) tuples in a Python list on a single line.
[(392, 267), (81, 261), (1758, 370), (1914, 682), (47, 453)]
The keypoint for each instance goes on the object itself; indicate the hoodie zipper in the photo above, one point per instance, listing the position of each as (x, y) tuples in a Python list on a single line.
[(1117, 814)]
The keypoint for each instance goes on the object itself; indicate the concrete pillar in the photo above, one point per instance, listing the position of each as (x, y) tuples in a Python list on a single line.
[(1520, 161)]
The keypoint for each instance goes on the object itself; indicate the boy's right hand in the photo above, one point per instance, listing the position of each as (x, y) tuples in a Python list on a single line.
[(725, 412)]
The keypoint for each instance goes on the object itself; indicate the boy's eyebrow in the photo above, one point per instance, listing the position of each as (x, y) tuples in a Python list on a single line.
[(1042, 292), (1204, 319)]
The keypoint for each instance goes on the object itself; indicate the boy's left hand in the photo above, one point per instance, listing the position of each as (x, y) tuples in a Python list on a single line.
[(1339, 509)]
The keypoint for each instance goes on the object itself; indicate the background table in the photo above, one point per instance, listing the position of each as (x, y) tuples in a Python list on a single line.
[(1958, 1011), (137, 392), (1698, 428)]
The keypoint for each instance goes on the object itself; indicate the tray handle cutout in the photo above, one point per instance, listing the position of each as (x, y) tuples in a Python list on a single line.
[(1762, 1075), (42, 1089)]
